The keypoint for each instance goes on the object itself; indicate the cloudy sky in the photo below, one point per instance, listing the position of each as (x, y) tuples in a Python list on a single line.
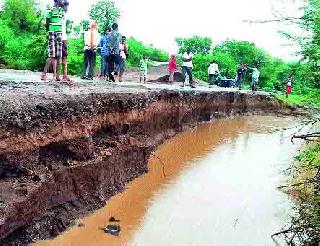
[(158, 22)]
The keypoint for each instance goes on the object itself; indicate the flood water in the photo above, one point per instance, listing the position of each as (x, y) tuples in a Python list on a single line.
[(220, 188)]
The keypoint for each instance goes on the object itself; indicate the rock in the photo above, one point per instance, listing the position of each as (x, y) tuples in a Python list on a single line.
[(39, 178), (113, 230), (21, 191), (81, 225), (112, 219)]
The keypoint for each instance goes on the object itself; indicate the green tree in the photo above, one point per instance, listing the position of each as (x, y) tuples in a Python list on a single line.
[(22, 37), (197, 44), (77, 29), (138, 49), (311, 42), (243, 52), (22, 15), (104, 13), (85, 24)]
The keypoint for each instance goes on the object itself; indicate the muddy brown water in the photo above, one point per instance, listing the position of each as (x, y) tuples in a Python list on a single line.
[(219, 189)]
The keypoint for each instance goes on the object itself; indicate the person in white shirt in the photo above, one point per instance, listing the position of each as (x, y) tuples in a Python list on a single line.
[(187, 67), (213, 72), (91, 43), (255, 78)]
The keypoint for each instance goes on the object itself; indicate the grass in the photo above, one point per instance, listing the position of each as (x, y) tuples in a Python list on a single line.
[(308, 164), (312, 97)]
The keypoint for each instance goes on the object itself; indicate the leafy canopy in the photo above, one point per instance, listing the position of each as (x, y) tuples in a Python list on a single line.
[(197, 44), (104, 13)]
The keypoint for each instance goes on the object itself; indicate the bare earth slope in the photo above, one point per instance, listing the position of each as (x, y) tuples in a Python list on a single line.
[(65, 151)]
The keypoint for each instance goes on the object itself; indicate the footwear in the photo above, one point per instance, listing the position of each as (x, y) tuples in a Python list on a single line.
[(43, 77), (57, 78), (192, 86), (66, 78)]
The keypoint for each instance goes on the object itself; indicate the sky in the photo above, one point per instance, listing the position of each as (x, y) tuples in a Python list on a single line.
[(159, 22)]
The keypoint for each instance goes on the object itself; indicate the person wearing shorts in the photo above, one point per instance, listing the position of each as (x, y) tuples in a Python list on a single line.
[(54, 26)]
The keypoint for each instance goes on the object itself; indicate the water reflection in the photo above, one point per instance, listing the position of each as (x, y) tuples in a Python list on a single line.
[(220, 189)]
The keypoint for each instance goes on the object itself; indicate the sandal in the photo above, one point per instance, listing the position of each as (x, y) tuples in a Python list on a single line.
[(43, 77), (69, 83), (66, 78)]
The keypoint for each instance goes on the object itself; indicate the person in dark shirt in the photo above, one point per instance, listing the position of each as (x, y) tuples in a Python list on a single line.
[(105, 54), (241, 73)]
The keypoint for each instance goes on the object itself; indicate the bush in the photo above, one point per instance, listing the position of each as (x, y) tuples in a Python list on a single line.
[(227, 64), (75, 56)]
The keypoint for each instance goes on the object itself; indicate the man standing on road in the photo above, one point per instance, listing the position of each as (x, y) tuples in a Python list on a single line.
[(255, 78), (91, 42), (105, 54), (241, 72), (116, 61), (213, 72), (187, 67), (54, 27)]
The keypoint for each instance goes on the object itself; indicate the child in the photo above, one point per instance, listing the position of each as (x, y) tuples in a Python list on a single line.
[(123, 55), (54, 27), (289, 87), (143, 69), (172, 68)]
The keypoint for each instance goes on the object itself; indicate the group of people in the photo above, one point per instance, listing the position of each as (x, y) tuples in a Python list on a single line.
[(112, 48), (187, 67), (214, 73)]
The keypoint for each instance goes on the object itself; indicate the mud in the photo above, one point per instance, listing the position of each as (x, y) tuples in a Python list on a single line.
[(178, 77), (65, 151)]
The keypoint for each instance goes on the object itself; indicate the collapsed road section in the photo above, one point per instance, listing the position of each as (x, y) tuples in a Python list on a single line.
[(65, 151)]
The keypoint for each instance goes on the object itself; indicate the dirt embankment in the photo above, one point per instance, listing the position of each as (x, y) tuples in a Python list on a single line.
[(64, 152)]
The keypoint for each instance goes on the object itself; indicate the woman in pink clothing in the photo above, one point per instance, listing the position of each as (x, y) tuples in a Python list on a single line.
[(289, 86), (172, 68)]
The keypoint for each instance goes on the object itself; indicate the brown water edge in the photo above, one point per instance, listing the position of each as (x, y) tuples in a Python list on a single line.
[(177, 154)]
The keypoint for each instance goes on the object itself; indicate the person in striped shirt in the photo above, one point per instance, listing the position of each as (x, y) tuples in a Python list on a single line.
[(54, 28)]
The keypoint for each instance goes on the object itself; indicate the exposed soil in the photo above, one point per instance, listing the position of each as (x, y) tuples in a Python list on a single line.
[(178, 77), (65, 151)]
